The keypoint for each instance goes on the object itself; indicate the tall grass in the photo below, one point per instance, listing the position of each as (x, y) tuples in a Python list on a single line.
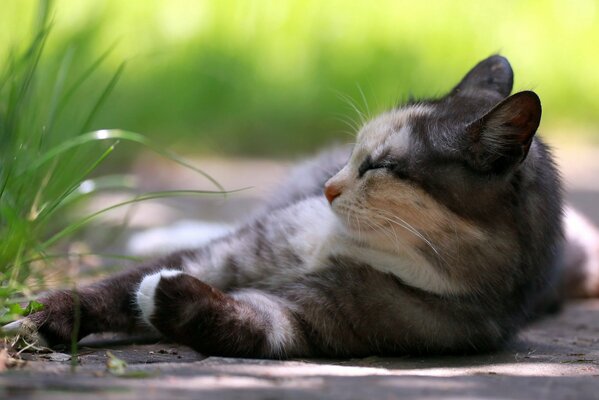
[(46, 154)]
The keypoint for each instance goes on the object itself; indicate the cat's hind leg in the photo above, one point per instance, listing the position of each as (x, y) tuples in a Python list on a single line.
[(245, 323)]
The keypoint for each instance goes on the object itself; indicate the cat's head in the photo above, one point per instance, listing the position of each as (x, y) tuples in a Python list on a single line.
[(432, 164)]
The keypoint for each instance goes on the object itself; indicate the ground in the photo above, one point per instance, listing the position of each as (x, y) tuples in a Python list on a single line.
[(554, 358)]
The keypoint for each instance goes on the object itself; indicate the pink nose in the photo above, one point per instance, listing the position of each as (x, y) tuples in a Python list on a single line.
[(331, 192)]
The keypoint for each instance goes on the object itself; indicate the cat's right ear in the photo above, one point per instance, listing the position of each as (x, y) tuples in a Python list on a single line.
[(503, 136), (492, 74)]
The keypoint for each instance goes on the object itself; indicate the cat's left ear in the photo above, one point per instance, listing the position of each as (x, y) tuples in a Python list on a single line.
[(493, 74), (503, 136)]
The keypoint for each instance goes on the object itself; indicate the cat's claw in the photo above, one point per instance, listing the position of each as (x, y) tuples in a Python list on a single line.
[(27, 331), (147, 289)]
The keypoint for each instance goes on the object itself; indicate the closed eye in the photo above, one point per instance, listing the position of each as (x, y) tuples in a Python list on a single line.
[(369, 165)]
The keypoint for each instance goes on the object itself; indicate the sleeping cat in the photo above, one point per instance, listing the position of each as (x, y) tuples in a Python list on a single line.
[(439, 232)]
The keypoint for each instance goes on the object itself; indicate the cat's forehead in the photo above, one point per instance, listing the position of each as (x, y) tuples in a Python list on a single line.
[(390, 132)]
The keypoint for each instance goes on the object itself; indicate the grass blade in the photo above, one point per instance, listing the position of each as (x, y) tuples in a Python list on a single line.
[(123, 135), (48, 210), (18, 93), (86, 74), (55, 102), (105, 93)]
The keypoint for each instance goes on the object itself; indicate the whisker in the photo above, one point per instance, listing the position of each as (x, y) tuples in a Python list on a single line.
[(374, 225), (394, 220), (350, 123), (353, 105), (401, 222), (358, 226), (368, 114), (380, 228)]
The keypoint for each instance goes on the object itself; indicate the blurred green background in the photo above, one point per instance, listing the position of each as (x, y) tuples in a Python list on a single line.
[(272, 78)]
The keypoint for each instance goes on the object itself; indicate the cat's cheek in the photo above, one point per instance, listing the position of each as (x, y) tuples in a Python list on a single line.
[(146, 293)]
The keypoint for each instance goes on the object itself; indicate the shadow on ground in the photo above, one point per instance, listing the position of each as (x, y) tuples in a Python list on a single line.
[(557, 357)]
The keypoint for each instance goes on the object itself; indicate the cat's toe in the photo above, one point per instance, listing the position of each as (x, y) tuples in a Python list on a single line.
[(145, 295), (26, 330)]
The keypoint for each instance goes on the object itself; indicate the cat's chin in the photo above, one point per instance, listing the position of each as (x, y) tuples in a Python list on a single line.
[(360, 232), (351, 221), (359, 226)]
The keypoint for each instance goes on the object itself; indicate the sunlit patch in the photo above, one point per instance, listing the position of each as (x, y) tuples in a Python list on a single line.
[(102, 134), (87, 186)]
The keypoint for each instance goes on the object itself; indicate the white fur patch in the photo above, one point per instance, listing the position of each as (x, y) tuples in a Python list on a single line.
[(411, 269), (393, 124), (281, 334), (147, 289), (398, 142)]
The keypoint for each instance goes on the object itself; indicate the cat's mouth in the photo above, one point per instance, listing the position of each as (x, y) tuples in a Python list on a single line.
[(353, 219)]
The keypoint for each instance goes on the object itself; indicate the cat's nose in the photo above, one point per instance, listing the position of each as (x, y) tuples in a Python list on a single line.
[(331, 191)]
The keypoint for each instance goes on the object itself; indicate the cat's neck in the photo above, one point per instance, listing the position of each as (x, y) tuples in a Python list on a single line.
[(389, 256)]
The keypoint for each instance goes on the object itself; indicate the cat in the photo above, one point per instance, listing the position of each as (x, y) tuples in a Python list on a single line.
[(440, 231)]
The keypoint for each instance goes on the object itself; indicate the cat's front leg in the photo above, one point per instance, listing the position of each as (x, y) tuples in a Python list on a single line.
[(246, 323), (105, 306)]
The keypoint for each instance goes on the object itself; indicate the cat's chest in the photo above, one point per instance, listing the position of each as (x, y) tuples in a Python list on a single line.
[(320, 239)]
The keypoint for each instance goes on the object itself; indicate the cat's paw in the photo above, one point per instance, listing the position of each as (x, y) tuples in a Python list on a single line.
[(146, 292), (26, 332), (51, 326), (176, 304)]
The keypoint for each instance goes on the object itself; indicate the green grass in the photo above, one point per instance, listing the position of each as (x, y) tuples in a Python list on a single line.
[(49, 160), (263, 77)]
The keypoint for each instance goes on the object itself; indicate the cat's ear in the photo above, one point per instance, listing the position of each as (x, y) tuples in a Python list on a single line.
[(493, 74), (502, 137)]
